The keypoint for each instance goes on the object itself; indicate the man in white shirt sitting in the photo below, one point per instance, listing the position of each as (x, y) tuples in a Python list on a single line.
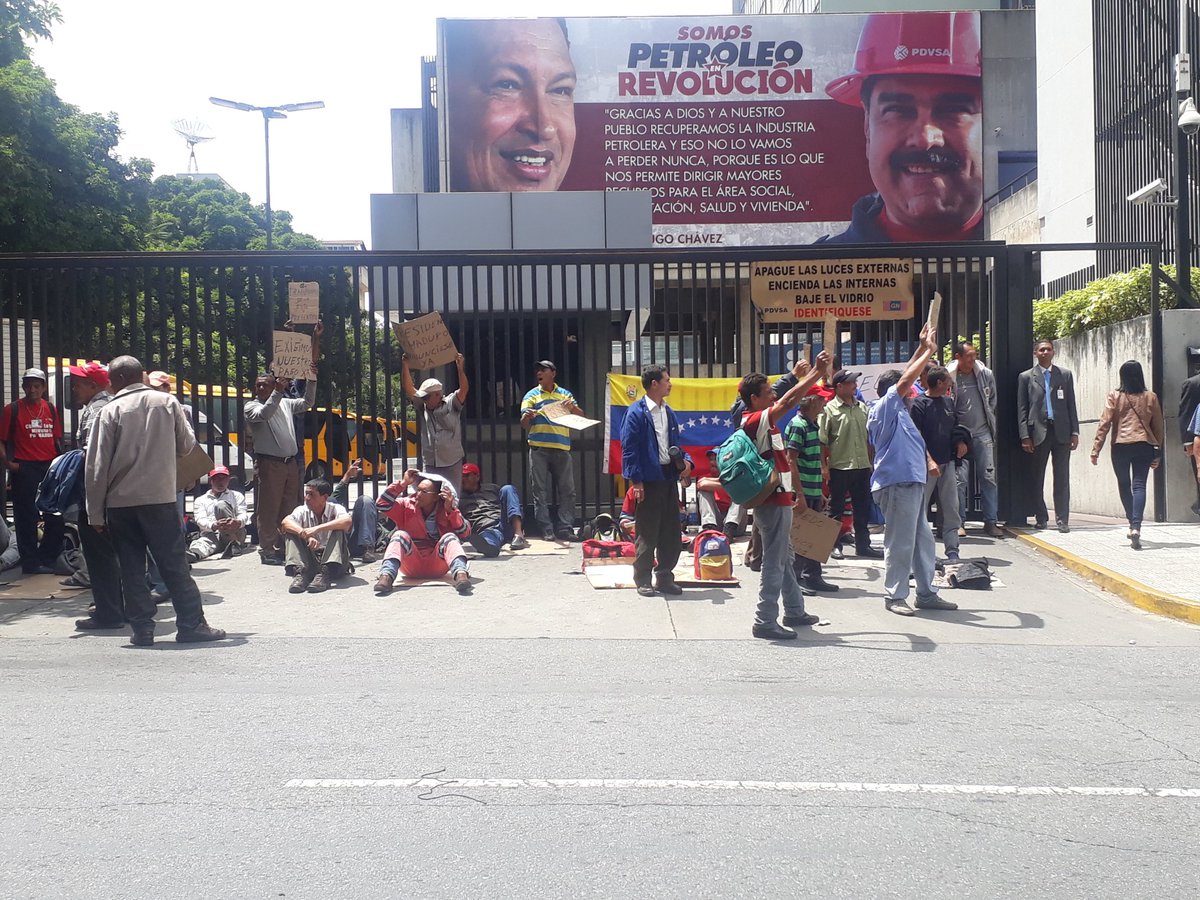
[(317, 552), (222, 518)]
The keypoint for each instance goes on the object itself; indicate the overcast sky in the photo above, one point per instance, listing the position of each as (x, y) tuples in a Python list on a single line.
[(153, 62)]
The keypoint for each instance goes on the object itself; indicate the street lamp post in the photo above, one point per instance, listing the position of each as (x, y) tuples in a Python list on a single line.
[(268, 113)]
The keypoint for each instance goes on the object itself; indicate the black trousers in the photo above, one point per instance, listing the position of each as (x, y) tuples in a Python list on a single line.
[(104, 571), (1059, 455), (25, 483), (856, 482), (657, 520), (154, 528)]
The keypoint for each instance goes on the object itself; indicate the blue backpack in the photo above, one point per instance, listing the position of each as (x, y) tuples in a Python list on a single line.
[(747, 475)]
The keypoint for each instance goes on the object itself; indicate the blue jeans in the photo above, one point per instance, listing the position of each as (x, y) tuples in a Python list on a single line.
[(1131, 465), (983, 449), (488, 541), (908, 545), (364, 527), (774, 525)]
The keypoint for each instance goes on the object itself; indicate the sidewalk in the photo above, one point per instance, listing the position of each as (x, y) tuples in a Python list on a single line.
[(1164, 577)]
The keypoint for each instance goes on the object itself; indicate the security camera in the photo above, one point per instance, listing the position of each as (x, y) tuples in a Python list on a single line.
[(1148, 193), (1189, 117)]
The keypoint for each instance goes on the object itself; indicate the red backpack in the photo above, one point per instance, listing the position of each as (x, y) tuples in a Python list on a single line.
[(712, 557)]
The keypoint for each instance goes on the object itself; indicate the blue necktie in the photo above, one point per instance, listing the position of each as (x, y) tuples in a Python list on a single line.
[(1049, 404)]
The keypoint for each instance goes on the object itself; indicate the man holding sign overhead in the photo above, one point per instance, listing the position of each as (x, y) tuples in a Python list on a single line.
[(550, 453), (441, 422)]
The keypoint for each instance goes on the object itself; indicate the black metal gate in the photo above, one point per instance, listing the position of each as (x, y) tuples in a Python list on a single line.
[(208, 318)]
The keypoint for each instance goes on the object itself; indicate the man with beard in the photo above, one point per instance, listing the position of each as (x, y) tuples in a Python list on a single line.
[(917, 76), (510, 91)]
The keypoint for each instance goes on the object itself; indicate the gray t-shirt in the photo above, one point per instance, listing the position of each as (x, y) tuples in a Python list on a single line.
[(968, 405), (441, 433)]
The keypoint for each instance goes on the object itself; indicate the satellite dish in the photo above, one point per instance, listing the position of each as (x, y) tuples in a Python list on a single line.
[(194, 132)]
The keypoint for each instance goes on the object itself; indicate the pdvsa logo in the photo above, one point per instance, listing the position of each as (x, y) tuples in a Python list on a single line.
[(903, 52)]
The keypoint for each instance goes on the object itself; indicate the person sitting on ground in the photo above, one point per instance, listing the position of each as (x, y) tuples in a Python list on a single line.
[(221, 516), (495, 513), (317, 526), (427, 542), (364, 532), (714, 503)]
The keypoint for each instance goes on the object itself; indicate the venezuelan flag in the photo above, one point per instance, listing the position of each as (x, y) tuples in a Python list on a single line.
[(701, 405)]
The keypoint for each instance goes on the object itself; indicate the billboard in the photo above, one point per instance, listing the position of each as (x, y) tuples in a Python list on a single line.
[(748, 130)]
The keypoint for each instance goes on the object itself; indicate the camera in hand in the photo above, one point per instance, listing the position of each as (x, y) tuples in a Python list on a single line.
[(677, 459)]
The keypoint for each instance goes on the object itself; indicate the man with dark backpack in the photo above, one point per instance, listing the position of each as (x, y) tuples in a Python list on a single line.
[(30, 432), (774, 515)]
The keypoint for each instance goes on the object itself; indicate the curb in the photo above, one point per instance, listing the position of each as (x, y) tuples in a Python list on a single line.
[(1140, 595)]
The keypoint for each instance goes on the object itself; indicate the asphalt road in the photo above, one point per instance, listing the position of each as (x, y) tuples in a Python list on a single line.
[(878, 757)]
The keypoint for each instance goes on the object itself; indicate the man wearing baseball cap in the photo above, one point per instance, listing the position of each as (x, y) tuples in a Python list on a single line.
[(550, 465), (221, 516), (30, 433), (917, 76), (89, 390), (441, 422), (495, 513)]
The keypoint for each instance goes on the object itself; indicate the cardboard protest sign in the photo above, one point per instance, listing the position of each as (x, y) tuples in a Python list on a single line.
[(814, 534), (935, 310), (191, 468), (291, 355), (830, 344), (304, 302), (426, 341), (560, 414)]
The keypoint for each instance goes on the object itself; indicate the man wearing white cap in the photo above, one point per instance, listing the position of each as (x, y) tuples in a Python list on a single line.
[(221, 516), (30, 431), (441, 423)]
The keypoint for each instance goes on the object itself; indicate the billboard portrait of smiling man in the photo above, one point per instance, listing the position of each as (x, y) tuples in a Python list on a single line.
[(510, 95), (918, 79)]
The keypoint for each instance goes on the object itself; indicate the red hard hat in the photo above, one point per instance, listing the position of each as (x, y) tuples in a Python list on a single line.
[(914, 43)]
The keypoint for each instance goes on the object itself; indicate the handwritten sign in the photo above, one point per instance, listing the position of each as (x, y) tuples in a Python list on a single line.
[(426, 341), (560, 414), (814, 289), (304, 302), (814, 534), (291, 355), (830, 344)]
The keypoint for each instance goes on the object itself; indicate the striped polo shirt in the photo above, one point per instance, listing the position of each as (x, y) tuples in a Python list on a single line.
[(543, 432), (804, 437)]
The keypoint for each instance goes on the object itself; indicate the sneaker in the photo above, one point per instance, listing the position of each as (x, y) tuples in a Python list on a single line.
[(565, 534), (383, 584), (899, 607), (519, 543), (802, 621), (935, 603), (836, 553), (320, 583), (201, 634), (368, 556), (462, 583), (732, 531), (301, 582)]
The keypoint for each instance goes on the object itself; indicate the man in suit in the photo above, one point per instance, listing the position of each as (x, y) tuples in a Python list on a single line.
[(1189, 399), (1048, 423)]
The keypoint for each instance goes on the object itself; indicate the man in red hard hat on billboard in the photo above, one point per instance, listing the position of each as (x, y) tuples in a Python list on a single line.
[(917, 77)]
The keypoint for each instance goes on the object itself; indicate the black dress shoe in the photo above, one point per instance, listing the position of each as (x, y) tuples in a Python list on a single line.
[(1064, 527), (669, 586), (773, 631), (142, 637), (801, 621), (202, 633), (868, 553), (1040, 526), (818, 583), (91, 623), (646, 590)]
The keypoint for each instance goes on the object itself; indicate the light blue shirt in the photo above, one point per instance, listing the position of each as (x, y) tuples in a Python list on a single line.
[(1049, 401), (899, 447), (1194, 428)]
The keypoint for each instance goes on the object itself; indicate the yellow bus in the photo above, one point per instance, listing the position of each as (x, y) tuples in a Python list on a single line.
[(334, 438)]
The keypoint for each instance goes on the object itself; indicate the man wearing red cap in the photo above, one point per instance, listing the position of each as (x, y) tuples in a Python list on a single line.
[(917, 76), (222, 518), (89, 389), (495, 513), (30, 431)]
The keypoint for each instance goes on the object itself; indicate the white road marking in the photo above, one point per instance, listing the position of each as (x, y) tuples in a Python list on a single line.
[(786, 787)]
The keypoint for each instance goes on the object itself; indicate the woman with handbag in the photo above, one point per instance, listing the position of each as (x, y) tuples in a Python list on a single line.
[(1136, 420)]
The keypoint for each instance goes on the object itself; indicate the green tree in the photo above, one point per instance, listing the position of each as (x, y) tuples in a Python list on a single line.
[(22, 20)]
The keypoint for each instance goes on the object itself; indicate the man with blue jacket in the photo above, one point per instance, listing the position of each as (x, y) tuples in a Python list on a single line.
[(648, 435)]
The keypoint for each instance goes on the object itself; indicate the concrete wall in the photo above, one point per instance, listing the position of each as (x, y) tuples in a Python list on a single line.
[(408, 153), (1094, 357), (1014, 220), (1010, 100), (1066, 132)]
